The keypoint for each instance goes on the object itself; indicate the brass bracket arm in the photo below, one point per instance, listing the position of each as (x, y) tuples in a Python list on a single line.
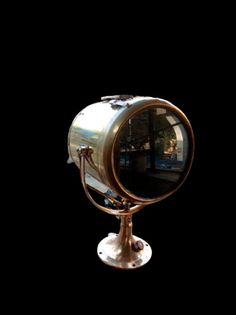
[(85, 155)]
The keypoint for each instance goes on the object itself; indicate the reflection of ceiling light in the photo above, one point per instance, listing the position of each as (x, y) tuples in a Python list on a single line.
[(172, 120), (126, 175), (160, 111)]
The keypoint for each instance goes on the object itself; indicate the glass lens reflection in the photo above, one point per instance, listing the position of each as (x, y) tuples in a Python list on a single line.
[(153, 149)]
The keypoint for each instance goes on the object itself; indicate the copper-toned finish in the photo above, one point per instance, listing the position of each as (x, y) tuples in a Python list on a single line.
[(124, 250), (98, 126), (93, 142), (82, 155)]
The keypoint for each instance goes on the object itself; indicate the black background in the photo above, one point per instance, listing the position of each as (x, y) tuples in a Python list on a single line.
[(69, 226), (61, 70), (176, 228)]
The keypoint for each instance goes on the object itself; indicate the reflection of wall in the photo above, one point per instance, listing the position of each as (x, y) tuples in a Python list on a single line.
[(184, 143), (181, 137), (180, 143)]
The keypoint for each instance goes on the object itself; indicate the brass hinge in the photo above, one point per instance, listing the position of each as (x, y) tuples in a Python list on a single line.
[(117, 97), (118, 101)]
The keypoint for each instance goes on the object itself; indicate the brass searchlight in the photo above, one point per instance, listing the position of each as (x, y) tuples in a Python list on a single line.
[(134, 151)]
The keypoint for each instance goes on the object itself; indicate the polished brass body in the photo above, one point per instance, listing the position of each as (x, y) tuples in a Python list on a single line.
[(98, 126), (92, 143)]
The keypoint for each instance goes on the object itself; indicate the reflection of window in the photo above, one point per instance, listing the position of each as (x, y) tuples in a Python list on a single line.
[(153, 150), (158, 136)]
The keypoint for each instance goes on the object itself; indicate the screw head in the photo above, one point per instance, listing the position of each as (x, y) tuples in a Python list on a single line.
[(137, 246)]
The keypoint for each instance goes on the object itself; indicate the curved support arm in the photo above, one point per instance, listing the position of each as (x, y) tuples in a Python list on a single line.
[(89, 158), (125, 211)]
